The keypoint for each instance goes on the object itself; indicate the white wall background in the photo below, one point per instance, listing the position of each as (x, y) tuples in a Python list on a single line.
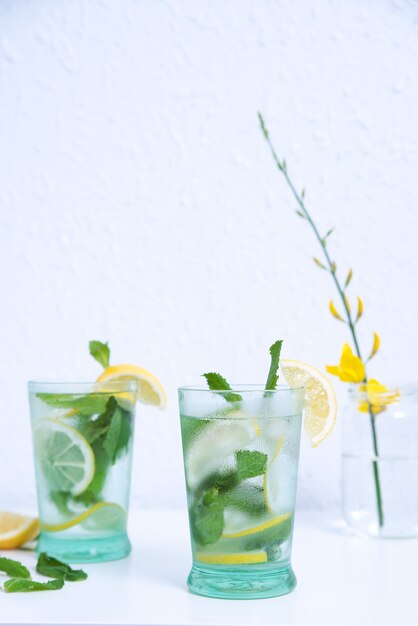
[(139, 203)]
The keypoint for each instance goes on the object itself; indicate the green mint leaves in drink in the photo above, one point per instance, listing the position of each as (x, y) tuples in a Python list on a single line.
[(228, 489), (240, 487), (216, 382), (273, 376), (104, 423), (101, 352), (250, 463)]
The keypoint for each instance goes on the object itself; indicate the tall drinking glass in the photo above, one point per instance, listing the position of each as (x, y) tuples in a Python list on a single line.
[(241, 453), (82, 437)]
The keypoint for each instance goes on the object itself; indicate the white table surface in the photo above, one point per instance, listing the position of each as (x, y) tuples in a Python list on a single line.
[(342, 580)]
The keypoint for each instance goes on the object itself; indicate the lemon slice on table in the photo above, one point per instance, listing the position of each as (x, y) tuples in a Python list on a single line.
[(100, 516), (150, 390), (15, 530), (64, 456), (320, 399), (238, 558)]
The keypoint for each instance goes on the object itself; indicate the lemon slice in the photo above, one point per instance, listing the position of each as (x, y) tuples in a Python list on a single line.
[(100, 516), (150, 390), (63, 455), (219, 440), (320, 399), (238, 558), (259, 528), (15, 530), (271, 480)]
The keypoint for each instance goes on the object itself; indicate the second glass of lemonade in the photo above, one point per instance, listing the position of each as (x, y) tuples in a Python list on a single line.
[(241, 452), (82, 437)]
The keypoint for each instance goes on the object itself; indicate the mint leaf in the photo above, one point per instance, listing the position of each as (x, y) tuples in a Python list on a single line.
[(246, 497), (111, 440), (208, 523), (13, 568), (101, 352), (250, 463), (109, 435), (91, 404), (49, 566), (216, 382), (14, 585), (273, 376)]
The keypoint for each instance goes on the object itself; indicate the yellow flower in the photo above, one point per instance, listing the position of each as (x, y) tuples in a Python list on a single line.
[(378, 396), (350, 369)]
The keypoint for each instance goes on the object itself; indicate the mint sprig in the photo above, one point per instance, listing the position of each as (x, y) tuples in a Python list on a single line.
[(90, 404), (101, 352), (273, 376), (216, 382)]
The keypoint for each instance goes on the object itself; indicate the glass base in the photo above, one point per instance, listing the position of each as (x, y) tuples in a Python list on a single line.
[(83, 550), (240, 584)]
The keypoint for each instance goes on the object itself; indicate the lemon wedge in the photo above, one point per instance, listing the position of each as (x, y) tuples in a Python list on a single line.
[(15, 530), (150, 390), (320, 399)]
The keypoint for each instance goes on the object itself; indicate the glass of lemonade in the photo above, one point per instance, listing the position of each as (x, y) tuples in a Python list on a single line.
[(82, 437), (241, 452)]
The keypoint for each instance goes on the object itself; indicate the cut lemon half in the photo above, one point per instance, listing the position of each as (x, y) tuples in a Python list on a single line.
[(238, 558), (63, 455), (150, 390), (320, 399), (15, 530), (100, 516)]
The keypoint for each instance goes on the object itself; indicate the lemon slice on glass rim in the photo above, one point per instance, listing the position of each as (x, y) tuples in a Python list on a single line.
[(150, 390), (320, 400)]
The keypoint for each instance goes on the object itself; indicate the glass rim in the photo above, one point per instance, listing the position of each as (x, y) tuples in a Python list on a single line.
[(242, 388), (90, 386)]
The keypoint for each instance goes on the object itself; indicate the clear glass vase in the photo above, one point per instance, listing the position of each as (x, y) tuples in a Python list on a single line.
[(380, 462)]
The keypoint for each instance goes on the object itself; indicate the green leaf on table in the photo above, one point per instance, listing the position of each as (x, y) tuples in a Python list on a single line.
[(13, 568), (90, 404), (216, 382), (273, 376), (14, 585), (101, 352), (250, 463), (49, 566)]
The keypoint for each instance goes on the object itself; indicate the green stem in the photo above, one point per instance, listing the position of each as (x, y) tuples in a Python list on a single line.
[(349, 320)]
